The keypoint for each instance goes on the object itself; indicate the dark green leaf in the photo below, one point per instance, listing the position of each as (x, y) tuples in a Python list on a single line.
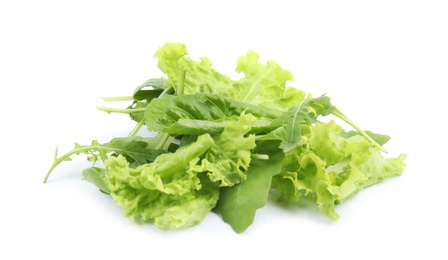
[(138, 116), (239, 203), (321, 105), (158, 83), (290, 133), (147, 94), (136, 149), (202, 113)]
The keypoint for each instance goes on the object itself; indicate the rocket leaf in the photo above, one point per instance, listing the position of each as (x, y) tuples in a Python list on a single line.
[(239, 203)]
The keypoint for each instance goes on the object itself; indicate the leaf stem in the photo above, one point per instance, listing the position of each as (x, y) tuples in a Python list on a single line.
[(181, 82), (66, 157), (163, 140), (339, 114), (166, 91), (137, 128), (120, 110), (121, 98), (259, 156)]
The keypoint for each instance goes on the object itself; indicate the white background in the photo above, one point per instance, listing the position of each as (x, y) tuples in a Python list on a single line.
[(383, 63)]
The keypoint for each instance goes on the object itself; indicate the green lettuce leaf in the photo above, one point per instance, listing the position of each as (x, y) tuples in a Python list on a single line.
[(265, 85), (95, 175), (199, 75), (327, 142), (366, 167), (178, 189), (168, 192), (330, 168), (227, 160), (262, 85)]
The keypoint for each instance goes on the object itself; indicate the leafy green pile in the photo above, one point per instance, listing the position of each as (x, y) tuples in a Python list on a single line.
[(222, 144)]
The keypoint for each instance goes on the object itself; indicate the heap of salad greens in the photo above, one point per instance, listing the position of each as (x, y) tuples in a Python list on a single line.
[(223, 145)]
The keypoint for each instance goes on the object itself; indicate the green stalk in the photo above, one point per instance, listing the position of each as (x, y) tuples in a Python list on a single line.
[(163, 141), (259, 156), (137, 128), (66, 156), (181, 82), (339, 114), (166, 91), (122, 98), (120, 110)]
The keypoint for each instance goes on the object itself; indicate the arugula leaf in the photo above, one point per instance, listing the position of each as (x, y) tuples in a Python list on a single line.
[(142, 96), (239, 203), (290, 132), (201, 113), (322, 106), (137, 149), (154, 83), (138, 115)]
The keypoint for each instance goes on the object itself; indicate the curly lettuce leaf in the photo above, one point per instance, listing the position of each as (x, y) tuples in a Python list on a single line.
[(199, 75), (265, 85), (367, 166), (168, 192), (178, 189), (308, 169), (227, 160), (327, 142), (262, 85)]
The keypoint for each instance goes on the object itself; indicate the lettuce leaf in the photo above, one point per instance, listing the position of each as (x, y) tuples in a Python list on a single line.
[(200, 77), (168, 192), (308, 170), (178, 189), (262, 85), (227, 161), (265, 85)]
